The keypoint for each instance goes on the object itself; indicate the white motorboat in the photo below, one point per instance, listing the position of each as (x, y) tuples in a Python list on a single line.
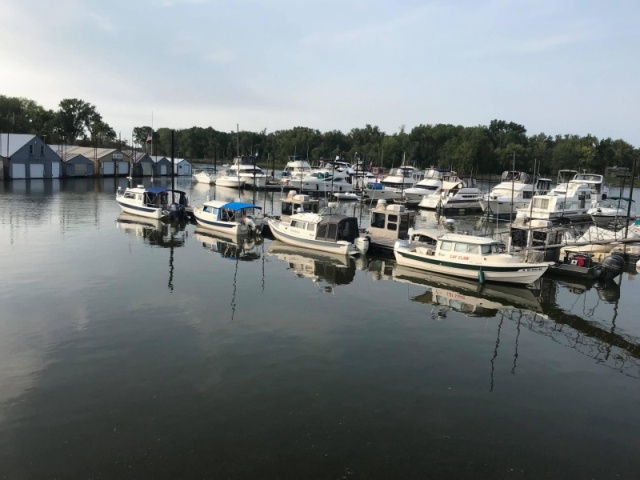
[(454, 195), (613, 212), (205, 176), (247, 170), (152, 202), (295, 169), (325, 231), (403, 177), (469, 256), (230, 218), (567, 201), (322, 181), (230, 178), (374, 191), (431, 183), (515, 190), (596, 182)]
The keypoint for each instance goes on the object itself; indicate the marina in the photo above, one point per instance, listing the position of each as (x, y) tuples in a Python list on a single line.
[(157, 348)]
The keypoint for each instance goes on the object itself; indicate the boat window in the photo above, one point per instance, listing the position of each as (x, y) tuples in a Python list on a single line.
[(393, 218), (214, 211), (295, 223), (333, 229), (446, 245), (461, 247), (322, 230), (311, 226), (377, 220), (486, 249), (314, 207), (498, 247), (286, 208), (129, 195)]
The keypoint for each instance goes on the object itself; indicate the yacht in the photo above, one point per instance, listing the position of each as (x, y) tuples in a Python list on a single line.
[(613, 212), (152, 202), (570, 200), (295, 169), (403, 177), (247, 170), (205, 176), (322, 181), (455, 195), (515, 190), (431, 183)]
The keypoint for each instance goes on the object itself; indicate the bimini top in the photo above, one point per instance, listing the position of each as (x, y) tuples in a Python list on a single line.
[(234, 206), (153, 190)]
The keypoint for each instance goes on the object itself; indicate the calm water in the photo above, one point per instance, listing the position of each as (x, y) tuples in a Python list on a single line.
[(132, 352)]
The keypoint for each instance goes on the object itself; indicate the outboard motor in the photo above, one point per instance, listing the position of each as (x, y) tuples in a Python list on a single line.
[(176, 211), (613, 266), (362, 244)]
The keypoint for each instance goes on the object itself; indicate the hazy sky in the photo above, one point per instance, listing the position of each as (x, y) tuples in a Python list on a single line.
[(560, 66)]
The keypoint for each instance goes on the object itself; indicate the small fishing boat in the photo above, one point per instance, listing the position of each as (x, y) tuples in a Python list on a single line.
[(470, 257), (230, 218), (152, 202), (324, 231)]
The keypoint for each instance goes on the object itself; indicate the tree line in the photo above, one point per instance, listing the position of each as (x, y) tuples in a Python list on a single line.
[(481, 149)]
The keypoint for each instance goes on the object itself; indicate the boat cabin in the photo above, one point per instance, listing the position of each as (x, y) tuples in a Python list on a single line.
[(157, 197), (390, 221), (230, 211), (327, 227), (296, 203)]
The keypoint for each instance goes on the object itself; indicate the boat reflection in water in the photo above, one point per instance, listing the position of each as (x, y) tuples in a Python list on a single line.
[(332, 269), (467, 296), (234, 247), (608, 290), (153, 231)]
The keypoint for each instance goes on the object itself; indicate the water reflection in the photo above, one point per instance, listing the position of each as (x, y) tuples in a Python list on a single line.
[(237, 247), (153, 232), (465, 296), (325, 269)]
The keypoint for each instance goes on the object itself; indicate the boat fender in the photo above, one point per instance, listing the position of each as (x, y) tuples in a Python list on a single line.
[(481, 278)]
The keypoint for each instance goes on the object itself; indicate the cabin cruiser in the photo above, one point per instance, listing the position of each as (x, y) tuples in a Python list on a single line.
[(247, 170), (230, 218), (403, 177), (566, 201), (230, 178), (152, 202), (295, 169), (324, 231), (515, 190), (454, 195), (205, 176), (375, 190), (431, 183), (594, 181), (322, 181), (470, 257)]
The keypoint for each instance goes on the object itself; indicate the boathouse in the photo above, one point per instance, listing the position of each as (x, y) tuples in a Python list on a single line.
[(26, 156), (77, 165), (106, 161), (162, 166), (181, 166)]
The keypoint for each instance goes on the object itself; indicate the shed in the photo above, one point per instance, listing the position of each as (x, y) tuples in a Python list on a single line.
[(162, 166), (142, 164), (77, 165), (181, 166), (26, 156)]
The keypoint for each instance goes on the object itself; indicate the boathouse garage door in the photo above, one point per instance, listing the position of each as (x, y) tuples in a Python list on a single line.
[(55, 170), (163, 170), (18, 170), (147, 169), (107, 168), (36, 170)]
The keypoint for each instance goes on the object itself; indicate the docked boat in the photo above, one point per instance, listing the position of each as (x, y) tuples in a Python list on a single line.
[(230, 218), (403, 177), (374, 191), (567, 201), (230, 178), (387, 224), (152, 202), (468, 256), (515, 191), (431, 183), (613, 213), (455, 196), (205, 176), (247, 170), (322, 181), (295, 169), (324, 231)]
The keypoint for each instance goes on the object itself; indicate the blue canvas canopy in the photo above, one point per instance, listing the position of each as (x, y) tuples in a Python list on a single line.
[(156, 190), (235, 206)]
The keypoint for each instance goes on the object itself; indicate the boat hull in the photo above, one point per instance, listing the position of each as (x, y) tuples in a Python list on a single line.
[(141, 210)]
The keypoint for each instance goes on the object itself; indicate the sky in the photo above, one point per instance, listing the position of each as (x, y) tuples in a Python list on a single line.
[(554, 66)]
